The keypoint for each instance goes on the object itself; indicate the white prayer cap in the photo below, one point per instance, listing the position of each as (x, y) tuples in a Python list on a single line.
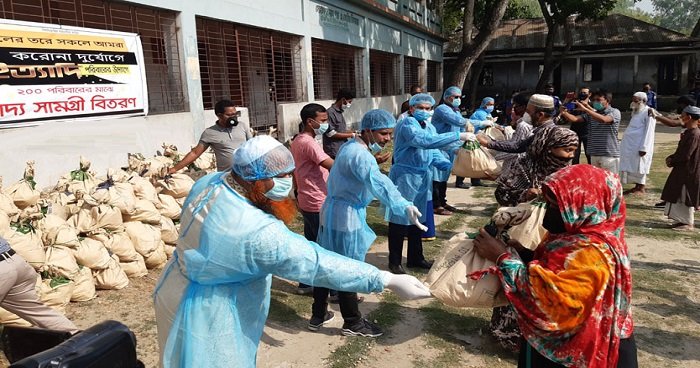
[(542, 101), (641, 95)]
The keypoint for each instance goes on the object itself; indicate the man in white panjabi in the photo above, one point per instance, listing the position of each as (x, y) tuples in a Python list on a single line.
[(637, 147)]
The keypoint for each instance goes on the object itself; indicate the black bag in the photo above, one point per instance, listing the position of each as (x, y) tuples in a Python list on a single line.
[(109, 344), (21, 342)]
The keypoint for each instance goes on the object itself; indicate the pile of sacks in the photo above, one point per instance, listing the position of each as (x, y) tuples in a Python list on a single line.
[(88, 232)]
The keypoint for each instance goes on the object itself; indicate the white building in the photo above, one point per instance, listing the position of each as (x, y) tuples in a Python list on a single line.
[(270, 56)]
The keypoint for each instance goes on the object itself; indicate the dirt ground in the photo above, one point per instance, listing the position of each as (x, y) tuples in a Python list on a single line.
[(666, 304)]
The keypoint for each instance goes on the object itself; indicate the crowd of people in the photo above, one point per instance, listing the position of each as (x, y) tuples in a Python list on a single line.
[(213, 296)]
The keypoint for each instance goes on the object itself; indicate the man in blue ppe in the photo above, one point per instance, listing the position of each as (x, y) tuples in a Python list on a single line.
[(212, 299), (354, 181), (415, 143), (480, 119), (447, 118)]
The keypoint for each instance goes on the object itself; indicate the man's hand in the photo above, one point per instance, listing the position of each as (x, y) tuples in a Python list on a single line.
[(488, 247), (482, 140), (171, 171), (382, 157), (668, 161), (642, 153), (582, 107), (532, 193)]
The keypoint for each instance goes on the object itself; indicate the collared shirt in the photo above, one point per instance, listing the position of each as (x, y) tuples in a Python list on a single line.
[(651, 99), (310, 176), (224, 141), (602, 138), (336, 124)]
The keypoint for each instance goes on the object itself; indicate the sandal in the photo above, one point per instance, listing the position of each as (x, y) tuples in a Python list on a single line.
[(684, 227), (441, 211)]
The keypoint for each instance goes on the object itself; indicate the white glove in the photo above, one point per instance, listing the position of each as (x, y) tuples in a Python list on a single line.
[(405, 286), (414, 217), (467, 136), (487, 123)]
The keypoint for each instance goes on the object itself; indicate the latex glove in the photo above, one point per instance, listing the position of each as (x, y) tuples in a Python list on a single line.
[(467, 136), (487, 123), (414, 217), (405, 286)]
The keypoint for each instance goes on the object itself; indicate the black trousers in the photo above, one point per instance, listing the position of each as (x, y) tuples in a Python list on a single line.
[(582, 142), (348, 306), (415, 244), (459, 180), (627, 356), (311, 224), (439, 194)]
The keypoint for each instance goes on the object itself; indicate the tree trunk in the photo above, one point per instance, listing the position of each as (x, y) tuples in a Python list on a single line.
[(474, 81), (473, 48), (552, 62)]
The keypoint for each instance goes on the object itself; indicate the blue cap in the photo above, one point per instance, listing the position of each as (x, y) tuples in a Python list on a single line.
[(262, 157), (451, 91), (486, 100), (377, 119), (421, 98)]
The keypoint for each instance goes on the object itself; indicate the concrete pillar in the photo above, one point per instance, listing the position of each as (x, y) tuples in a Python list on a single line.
[(190, 70), (365, 69), (577, 78), (307, 70), (635, 71), (402, 81), (522, 73)]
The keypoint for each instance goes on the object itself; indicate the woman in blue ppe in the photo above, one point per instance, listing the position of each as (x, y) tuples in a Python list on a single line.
[(447, 118), (415, 143), (353, 182), (212, 299), (481, 119)]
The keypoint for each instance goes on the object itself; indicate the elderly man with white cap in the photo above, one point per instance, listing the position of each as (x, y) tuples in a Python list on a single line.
[(637, 147), (603, 123), (212, 299), (539, 113)]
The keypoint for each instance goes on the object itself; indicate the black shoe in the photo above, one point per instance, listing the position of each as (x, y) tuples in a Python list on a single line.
[(463, 186), (422, 264), (362, 328), (661, 204), (315, 323), (397, 269)]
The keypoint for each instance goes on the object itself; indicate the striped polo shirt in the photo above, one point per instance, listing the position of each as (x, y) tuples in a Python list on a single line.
[(602, 138)]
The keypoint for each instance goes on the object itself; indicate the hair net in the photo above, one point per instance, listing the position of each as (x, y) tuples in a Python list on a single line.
[(486, 100), (641, 95), (452, 91), (421, 98), (377, 119), (262, 157)]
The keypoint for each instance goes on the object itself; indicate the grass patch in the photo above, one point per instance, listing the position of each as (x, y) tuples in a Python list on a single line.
[(285, 305), (387, 314), (452, 330)]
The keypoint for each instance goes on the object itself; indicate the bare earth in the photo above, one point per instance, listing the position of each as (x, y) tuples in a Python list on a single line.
[(666, 305)]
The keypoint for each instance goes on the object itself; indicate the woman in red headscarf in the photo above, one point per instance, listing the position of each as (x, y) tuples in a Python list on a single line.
[(573, 301)]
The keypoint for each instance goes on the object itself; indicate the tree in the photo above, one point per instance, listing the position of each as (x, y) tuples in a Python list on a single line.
[(626, 7), (678, 15), (476, 36), (558, 14)]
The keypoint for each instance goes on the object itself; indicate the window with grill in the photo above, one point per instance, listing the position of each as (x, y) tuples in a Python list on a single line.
[(256, 68), (486, 77), (383, 73), (433, 75), (157, 28), (335, 66), (411, 73)]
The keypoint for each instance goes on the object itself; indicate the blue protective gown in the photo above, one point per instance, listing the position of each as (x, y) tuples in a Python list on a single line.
[(478, 119), (416, 148), (213, 297), (353, 182), (447, 119)]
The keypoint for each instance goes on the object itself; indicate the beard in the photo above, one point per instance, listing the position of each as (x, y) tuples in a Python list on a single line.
[(285, 210)]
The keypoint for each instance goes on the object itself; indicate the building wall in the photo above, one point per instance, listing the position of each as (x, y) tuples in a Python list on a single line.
[(56, 146)]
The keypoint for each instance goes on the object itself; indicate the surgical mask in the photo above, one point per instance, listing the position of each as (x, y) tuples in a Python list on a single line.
[(232, 121), (323, 127), (346, 106), (489, 109), (374, 147), (456, 102), (527, 118), (598, 106), (422, 115), (280, 190)]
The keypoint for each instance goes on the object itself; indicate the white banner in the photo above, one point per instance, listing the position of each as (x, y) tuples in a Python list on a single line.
[(51, 72)]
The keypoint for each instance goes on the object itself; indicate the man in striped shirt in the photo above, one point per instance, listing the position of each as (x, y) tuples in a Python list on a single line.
[(603, 123)]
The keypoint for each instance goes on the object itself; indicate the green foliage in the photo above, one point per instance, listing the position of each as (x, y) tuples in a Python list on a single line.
[(517, 9), (523, 9), (678, 15), (560, 10), (627, 7)]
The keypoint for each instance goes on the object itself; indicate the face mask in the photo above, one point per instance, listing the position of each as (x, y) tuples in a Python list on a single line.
[(232, 121), (489, 109), (321, 129), (422, 115), (456, 102), (597, 106), (527, 118), (374, 147), (280, 190), (582, 96), (553, 221), (346, 106)]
